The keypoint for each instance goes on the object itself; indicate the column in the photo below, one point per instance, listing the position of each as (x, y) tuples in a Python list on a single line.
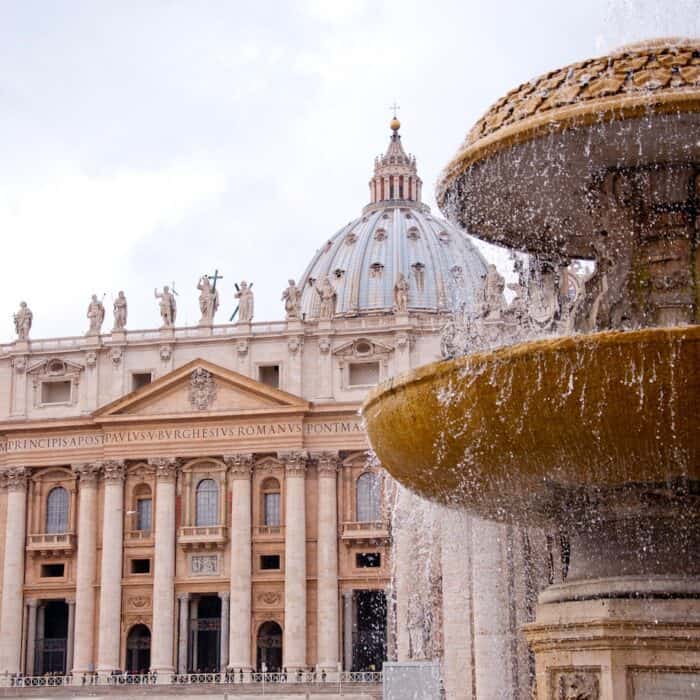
[(240, 467), (327, 577), (295, 563), (184, 601), (70, 642), (31, 637), (457, 605), (11, 607), (403, 567), (493, 656), (225, 616), (347, 629), (111, 568), (85, 568), (162, 632)]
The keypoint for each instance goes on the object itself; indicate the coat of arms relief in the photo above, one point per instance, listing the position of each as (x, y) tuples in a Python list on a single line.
[(202, 389)]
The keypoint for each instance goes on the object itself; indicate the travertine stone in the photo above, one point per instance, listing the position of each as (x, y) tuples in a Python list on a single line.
[(111, 567), (164, 567), (327, 567), (13, 571), (295, 562), (240, 468), (87, 557)]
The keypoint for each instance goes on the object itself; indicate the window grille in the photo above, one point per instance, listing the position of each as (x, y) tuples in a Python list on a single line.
[(144, 511), (272, 509), (368, 492), (207, 512), (57, 510)]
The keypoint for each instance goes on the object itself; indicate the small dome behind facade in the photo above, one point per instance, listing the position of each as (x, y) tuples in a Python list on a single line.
[(395, 235)]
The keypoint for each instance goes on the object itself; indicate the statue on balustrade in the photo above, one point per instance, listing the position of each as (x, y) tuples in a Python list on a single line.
[(120, 310), (95, 315), (208, 300), (291, 297), (23, 321), (168, 306), (245, 302), (328, 295)]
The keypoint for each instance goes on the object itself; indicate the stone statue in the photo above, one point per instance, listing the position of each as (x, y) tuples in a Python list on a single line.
[(493, 300), (208, 300), (578, 685), (245, 302), (23, 321), (292, 300), (95, 315), (401, 294), (543, 294), (119, 308), (168, 307), (328, 295)]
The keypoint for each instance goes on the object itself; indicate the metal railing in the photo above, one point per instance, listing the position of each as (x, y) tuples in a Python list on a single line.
[(308, 677)]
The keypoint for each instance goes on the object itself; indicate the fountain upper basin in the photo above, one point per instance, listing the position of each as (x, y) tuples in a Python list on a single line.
[(522, 433)]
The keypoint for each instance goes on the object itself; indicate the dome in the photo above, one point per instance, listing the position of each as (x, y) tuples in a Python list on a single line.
[(396, 234)]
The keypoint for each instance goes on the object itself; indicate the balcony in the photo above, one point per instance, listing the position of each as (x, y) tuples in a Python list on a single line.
[(54, 544), (139, 537), (270, 533), (202, 537), (372, 532)]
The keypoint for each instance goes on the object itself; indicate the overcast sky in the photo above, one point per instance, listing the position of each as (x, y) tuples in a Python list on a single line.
[(148, 142)]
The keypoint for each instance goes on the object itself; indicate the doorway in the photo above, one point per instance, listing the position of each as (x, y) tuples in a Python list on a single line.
[(269, 647), (138, 649), (205, 635), (52, 638), (369, 646)]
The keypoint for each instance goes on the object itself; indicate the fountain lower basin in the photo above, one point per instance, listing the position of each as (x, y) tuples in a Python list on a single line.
[(538, 431)]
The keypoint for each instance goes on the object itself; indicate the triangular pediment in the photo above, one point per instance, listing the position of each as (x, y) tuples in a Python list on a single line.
[(202, 388)]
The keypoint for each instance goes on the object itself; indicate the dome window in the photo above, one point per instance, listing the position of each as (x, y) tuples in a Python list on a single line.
[(350, 238), (380, 234), (311, 281), (444, 237), (376, 269), (413, 233), (328, 246), (338, 273), (419, 273), (409, 215)]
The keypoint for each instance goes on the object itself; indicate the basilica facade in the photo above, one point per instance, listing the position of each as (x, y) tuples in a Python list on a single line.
[(201, 498)]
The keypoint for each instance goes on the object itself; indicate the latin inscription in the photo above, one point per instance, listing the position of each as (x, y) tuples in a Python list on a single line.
[(185, 434)]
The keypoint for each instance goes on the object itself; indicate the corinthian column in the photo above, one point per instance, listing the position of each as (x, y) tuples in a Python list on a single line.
[(13, 571), (163, 633), (85, 575), (240, 467), (327, 591), (295, 563), (111, 570)]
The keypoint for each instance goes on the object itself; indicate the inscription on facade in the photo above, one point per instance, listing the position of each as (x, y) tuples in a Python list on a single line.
[(184, 434)]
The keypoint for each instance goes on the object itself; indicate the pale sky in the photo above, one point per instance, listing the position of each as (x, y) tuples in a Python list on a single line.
[(148, 142)]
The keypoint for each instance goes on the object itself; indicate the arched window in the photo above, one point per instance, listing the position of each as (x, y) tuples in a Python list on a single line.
[(57, 510), (367, 495), (207, 512), (271, 503)]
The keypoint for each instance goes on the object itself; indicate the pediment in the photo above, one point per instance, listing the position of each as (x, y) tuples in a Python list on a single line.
[(202, 388), (362, 348), (55, 367)]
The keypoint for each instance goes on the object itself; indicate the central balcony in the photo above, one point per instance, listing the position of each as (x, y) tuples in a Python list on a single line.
[(51, 544), (375, 532), (202, 537)]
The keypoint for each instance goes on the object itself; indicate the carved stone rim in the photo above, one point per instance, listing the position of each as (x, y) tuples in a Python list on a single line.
[(484, 140)]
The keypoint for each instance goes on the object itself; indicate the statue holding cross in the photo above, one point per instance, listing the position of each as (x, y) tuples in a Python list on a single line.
[(208, 297)]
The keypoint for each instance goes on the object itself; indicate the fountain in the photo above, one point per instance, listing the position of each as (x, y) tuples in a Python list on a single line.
[(594, 433)]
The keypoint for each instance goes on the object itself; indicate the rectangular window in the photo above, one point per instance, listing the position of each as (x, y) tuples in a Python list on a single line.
[(363, 374), (272, 509), (368, 560), (140, 566), (55, 392), (270, 562), (52, 570), (270, 375), (143, 513), (139, 379)]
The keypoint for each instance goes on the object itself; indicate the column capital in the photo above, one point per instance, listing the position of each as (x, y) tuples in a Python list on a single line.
[(166, 467), (183, 597), (224, 595), (32, 602), (295, 463), (327, 463), (114, 470), (15, 478), (87, 472), (240, 465)]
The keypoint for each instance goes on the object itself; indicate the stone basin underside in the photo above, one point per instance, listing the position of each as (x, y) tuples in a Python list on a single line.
[(550, 430)]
